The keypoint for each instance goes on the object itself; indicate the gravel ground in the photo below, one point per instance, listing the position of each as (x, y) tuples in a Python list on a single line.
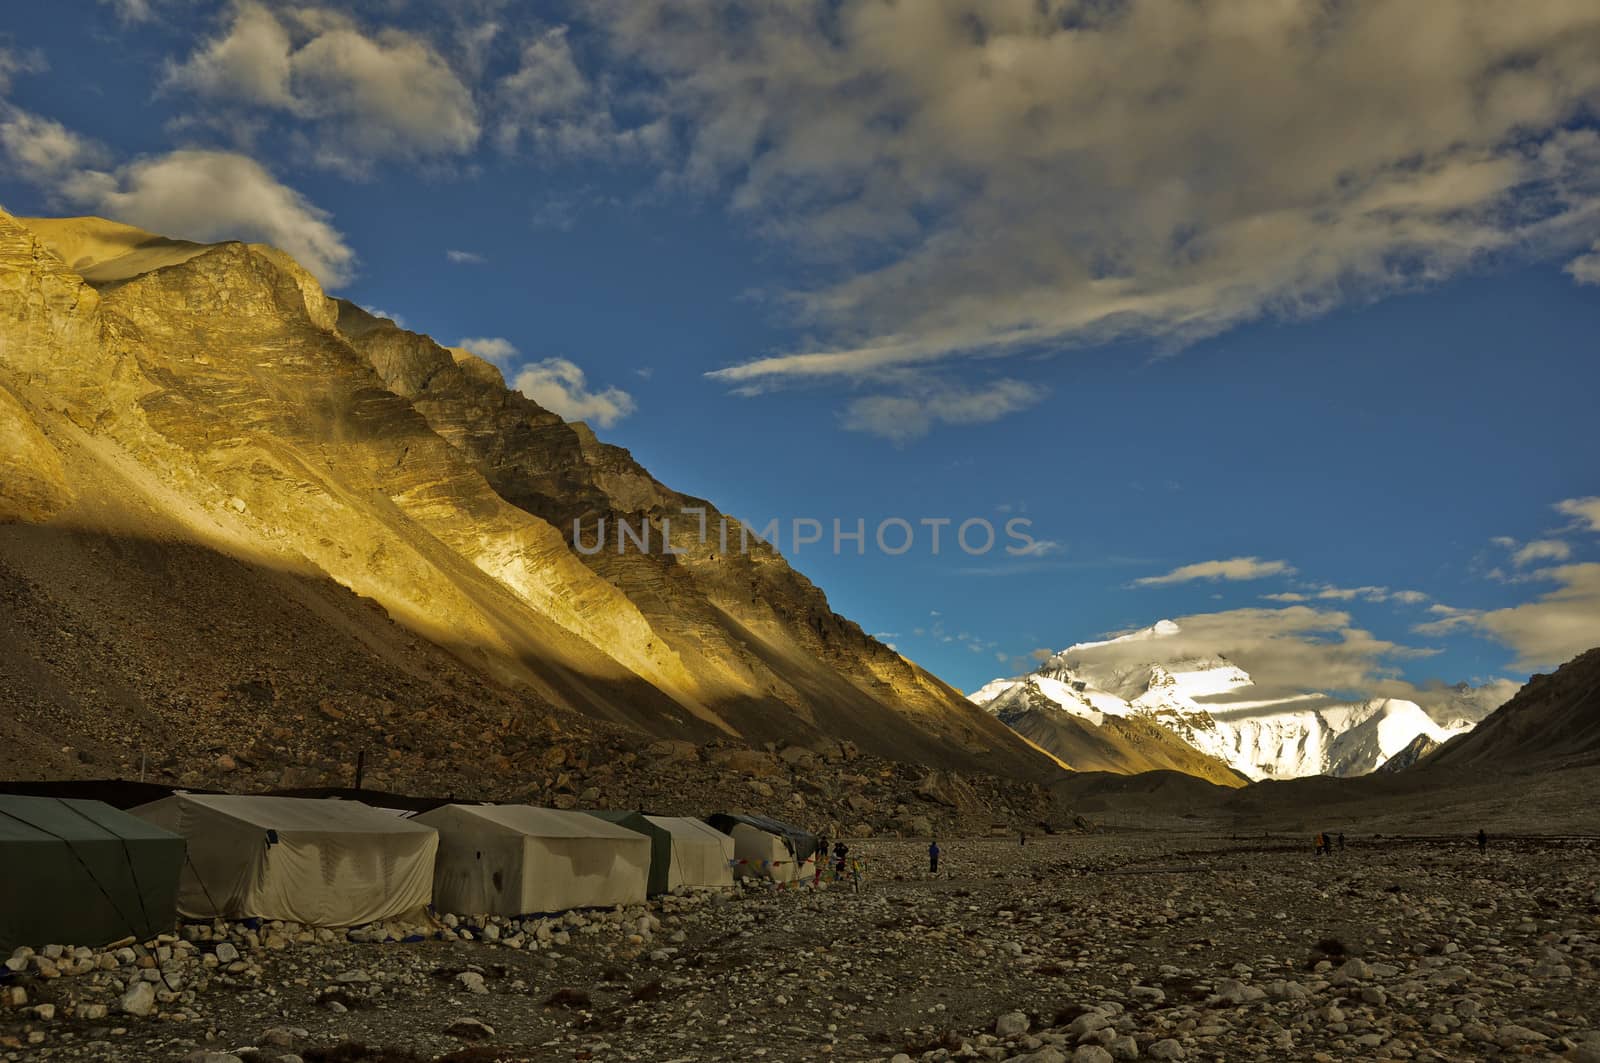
[(1082, 947)]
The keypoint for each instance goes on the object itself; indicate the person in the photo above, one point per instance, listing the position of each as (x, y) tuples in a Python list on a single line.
[(1341, 841), (819, 858), (933, 857), (1022, 837), (1483, 841), (840, 852)]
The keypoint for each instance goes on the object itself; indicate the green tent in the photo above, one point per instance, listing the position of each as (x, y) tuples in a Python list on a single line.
[(83, 873), (660, 845)]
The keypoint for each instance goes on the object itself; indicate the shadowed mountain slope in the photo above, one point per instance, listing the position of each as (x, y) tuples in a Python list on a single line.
[(1553, 719), (213, 398)]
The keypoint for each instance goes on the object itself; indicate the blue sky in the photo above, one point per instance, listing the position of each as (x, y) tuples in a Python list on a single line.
[(848, 260)]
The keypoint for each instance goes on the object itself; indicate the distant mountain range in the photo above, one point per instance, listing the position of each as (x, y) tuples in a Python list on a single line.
[(1211, 707)]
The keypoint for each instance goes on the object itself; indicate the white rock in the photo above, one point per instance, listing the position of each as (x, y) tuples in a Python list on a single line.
[(140, 999)]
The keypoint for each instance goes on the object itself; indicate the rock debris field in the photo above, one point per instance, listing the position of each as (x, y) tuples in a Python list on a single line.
[(1083, 947)]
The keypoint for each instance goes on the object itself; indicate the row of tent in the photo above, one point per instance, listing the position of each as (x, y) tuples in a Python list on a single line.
[(82, 872)]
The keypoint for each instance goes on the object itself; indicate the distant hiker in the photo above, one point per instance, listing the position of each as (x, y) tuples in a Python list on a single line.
[(1483, 841), (819, 858), (1341, 841), (1022, 837), (933, 857), (1320, 842), (840, 852)]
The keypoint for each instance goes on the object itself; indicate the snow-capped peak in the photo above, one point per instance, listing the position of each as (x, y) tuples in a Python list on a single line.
[(1205, 698)]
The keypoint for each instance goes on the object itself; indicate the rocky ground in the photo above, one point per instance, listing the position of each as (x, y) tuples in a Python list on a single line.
[(1075, 947)]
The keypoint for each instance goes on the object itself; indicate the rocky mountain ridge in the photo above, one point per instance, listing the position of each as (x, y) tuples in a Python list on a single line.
[(219, 481)]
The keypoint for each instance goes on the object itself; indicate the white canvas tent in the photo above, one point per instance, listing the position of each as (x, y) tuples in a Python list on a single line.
[(760, 854), (323, 863), (701, 855), (518, 859)]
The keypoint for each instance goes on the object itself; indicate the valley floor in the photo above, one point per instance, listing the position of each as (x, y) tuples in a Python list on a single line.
[(1118, 945)]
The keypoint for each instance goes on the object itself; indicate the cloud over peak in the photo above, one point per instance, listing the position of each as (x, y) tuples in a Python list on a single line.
[(562, 388)]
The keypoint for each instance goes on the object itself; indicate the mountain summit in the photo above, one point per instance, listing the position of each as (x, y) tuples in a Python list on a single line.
[(1213, 706), (229, 503)]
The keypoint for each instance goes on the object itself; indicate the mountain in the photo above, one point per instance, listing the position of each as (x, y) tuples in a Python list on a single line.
[(1213, 707), (230, 505), (1552, 721), (1418, 748)]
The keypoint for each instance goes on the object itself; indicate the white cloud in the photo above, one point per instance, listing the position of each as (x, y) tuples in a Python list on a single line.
[(1549, 631), (1236, 568), (217, 195), (131, 10), (1541, 550), (986, 177), (1409, 597), (389, 95), (549, 102), (495, 349), (13, 62), (1037, 548), (465, 258), (1585, 510), (1285, 596), (560, 387), (915, 412), (41, 150), (1286, 651), (1585, 269)]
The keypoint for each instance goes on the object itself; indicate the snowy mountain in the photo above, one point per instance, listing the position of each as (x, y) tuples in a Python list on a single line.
[(1212, 704)]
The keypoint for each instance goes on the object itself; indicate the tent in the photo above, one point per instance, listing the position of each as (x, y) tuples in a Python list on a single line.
[(702, 856), (323, 863), (660, 846), (83, 873), (766, 848), (518, 859)]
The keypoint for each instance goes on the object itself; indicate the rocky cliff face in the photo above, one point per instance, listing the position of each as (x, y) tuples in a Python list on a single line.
[(211, 403)]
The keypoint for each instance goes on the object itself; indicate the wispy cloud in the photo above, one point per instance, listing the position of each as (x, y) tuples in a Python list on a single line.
[(1233, 569), (1584, 511), (922, 405), (1547, 631), (464, 258), (1541, 550), (977, 178)]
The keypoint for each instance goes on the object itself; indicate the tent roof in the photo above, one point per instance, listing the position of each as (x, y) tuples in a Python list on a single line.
[(541, 822), (684, 826), (303, 814), (802, 842), (48, 819), (371, 798), (118, 793)]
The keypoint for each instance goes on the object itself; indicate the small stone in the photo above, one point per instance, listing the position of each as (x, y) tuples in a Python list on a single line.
[(472, 981), (140, 999), (1166, 1049), (1011, 1024), (470, 1030)]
